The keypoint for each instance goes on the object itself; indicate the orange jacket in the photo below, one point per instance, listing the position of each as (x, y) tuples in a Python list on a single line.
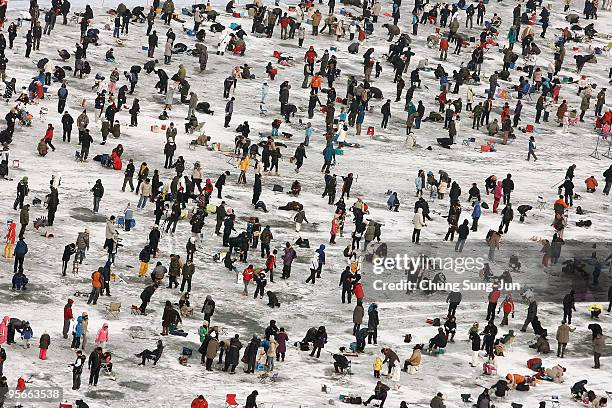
[(197, 403), (591, 183), (508, 306), (316, 81), (96, 280), (444, 44), (515, 378), (562, 203)]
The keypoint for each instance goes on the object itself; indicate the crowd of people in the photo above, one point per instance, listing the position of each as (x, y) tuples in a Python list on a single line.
[(248, 244)]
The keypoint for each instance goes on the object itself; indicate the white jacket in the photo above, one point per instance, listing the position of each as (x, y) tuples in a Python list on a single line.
[(110, 229), (197, 173), (299, 15), (418, 220), (314, 262), (470, 95)]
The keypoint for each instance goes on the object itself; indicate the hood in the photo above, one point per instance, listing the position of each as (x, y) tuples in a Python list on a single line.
[(70, 301), (80, 319), (5, 320), (499, 183), (105, 326), (321, 247)]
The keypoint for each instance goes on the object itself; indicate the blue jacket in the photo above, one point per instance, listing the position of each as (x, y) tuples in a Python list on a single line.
[(145, 254), (418, 183), (27, 333), (62, 93), (476, 212), (21, 248), (321, 252), (328, 152), (361, 115), (19, 280), (78, 329), (106, 271)]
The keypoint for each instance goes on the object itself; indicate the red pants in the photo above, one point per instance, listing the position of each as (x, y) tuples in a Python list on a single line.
[(495, 204), (42, 354)]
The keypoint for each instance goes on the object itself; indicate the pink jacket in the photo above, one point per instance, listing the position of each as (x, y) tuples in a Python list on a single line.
[(498, 193), (4, 329), (102, 336)]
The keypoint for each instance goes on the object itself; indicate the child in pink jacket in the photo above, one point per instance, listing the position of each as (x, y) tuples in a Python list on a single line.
[(102, 336)]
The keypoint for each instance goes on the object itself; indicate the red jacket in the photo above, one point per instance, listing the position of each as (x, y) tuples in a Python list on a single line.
[(48, 134), (271, 262), (247, 275), (310, 56), (494, 296), (197, 403), (68, 312), (444, 44), (358, 290)]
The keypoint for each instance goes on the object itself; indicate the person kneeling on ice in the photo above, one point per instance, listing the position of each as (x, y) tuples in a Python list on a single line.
[(19, 281), (341, 363), (556, 373), (360, 339), (272, 299), (519, 382), (501, 388), (438, 341), (578, 389), (380, 393), (154, 355), (541, 345)]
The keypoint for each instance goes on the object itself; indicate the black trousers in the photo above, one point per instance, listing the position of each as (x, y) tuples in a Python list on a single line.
[(491, 311), (94, 374)]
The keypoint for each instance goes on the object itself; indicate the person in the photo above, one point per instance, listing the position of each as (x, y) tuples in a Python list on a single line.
[(438, 341), (98, 193), (437, 401), (598, 343), (199, 401), (77, 369), (251, 401), (45, 342), (94, 363), (145, 297), (21, 249), (563, 333), (341, 363), (380, 394), (153, 355)]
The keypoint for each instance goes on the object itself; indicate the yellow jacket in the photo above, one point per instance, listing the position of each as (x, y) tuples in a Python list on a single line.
[(244, 164), (377, 364)]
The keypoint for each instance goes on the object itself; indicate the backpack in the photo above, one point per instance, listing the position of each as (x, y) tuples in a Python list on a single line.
[(534, 363)]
